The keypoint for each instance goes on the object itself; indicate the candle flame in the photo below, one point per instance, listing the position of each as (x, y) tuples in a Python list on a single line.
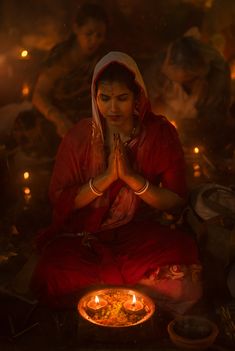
[(25, 90), (27, 191), (209, 3), (133, 300), (24, 53), (196, 167), (196, 150), (97, 300), (26, 175), (197, 174)]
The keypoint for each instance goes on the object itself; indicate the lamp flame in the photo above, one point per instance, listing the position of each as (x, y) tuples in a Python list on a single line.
[(24, 53), (133, 300), (27, 191), (196, 150), (97, 300), (25, 90), (26, 175), (196, 167)]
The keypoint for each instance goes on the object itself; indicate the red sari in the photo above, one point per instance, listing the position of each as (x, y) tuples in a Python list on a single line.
[(106, 242)]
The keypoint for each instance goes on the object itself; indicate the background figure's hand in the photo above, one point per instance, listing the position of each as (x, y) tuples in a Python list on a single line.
[(123, 165), (62, 123), (62, 126)]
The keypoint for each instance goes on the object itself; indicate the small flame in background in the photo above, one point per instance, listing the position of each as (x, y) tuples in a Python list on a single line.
[(196, 167), (27, 191), (97, 300), (27, 195), (196, 150), (24, 53), (209, 3), (133, 300), (197, 174), (25, 89), (26, 175)]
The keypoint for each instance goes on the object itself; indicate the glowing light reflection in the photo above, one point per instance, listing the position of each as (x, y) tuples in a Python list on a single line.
[(27, 191), (24, 53), (25, 90), (26, 175)]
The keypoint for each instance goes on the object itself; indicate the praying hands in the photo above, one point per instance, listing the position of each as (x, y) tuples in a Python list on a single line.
[(118, 163)]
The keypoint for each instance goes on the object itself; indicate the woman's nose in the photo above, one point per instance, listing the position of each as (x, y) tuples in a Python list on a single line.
[(114, 105), (94, 40)]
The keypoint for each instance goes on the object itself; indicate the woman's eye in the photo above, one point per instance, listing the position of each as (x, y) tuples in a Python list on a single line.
[(122, 98), (104, 98), (88, 34)]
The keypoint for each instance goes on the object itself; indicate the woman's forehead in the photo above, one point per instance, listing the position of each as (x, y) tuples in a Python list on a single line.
[(92, 24), (113, 88)]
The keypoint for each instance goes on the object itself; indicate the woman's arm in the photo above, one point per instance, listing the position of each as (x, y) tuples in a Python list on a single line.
[(161, 198), (155, 196), (42, 99), (96, 186), (89, 192)]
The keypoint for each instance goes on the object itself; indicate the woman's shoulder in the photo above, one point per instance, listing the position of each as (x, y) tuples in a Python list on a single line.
[(161, 129), (159, 123), (60, 53)]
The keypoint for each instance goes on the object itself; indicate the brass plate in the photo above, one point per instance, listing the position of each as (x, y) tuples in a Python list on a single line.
[(114, 315)]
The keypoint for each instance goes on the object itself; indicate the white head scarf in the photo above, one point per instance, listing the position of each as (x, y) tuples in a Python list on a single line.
[(125, 204), (130, 64)]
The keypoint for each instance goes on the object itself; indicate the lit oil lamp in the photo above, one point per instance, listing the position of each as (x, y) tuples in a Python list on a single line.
[(96, 304), (24, 54), (26, 175), (25, 90), (196, 167), (197, 174), (133, 305), (196, 150), (27, 195)]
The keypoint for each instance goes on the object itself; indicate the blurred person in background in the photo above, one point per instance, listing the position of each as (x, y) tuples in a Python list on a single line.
[(191, 85), (62, 91)]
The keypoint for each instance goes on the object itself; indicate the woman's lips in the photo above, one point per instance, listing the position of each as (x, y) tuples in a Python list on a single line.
[(114, 117)]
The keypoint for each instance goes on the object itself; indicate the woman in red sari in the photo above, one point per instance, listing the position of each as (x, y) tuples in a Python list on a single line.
[(110, 172)]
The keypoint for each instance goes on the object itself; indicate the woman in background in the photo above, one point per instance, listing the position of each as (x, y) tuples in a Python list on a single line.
[(62, 92)]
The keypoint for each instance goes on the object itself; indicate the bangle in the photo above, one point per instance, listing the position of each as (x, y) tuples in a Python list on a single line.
[(143, 189), (93, 188)]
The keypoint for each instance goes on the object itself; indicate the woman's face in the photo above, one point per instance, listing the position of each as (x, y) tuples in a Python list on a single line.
[(90, 36), (116, 103)]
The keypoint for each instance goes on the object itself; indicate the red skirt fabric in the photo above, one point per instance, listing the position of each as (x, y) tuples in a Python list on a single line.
[(125, 255)]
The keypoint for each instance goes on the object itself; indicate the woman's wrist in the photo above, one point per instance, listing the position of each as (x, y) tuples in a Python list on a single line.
[(144, 188), (100, 183), (137, 183), (93, 189)]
